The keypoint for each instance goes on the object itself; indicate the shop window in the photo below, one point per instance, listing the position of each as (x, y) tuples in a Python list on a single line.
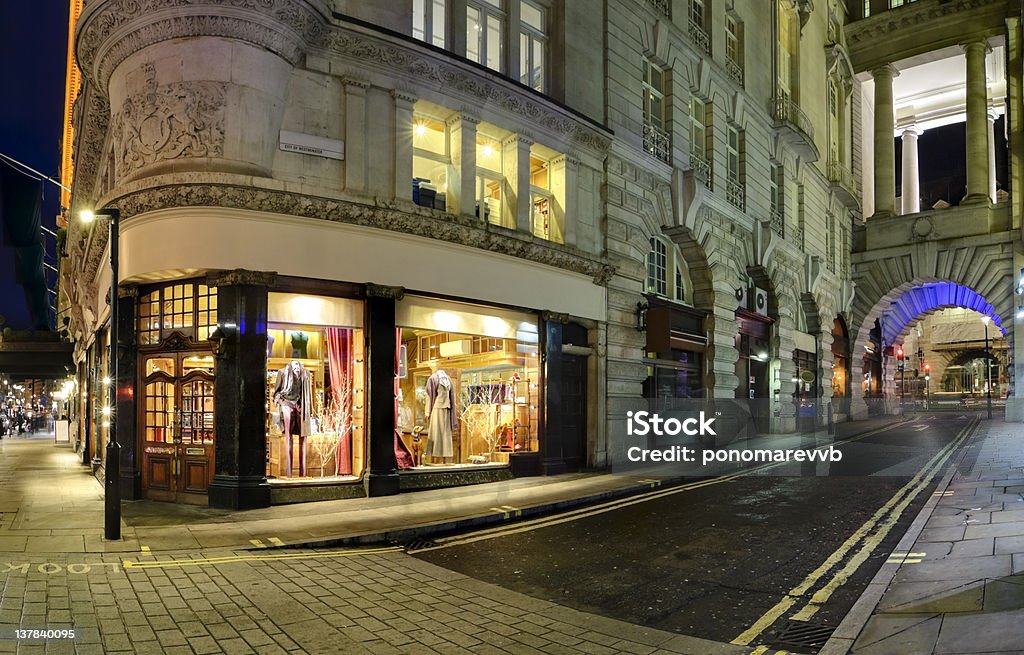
[(489, 181), (674, 374), (428, 21), (533, 45), (485, 30), (315, 389), (430, 163), (469, 383), (189, 308)]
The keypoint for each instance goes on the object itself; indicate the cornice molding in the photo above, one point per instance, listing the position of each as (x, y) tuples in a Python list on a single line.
[(459, 230), (910, 16)]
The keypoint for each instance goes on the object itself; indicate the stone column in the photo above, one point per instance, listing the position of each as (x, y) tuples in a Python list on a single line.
[(993, 115), (382, 471), (355, 135), (885, 149), (240, 387), (125, 410), (515, 165), (911, 173), (563, 176), (977, 134), (461, 194), (403, 144)]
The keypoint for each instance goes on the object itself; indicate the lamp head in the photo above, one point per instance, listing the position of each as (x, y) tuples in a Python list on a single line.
[(985, 320), (87, 215)]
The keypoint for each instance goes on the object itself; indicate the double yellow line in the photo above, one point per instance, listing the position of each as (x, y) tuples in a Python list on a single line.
[(215, 561), (869, 536), (613, 505)]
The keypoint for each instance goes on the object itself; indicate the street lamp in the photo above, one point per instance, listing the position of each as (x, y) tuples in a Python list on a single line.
[(988, 370), (112, 495)]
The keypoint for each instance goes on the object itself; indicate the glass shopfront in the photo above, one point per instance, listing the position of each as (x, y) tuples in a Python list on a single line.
[(674, 353), (468, 383), (316, 380)]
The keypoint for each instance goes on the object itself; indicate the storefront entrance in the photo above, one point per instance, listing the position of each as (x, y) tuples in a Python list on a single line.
[(177, 426)]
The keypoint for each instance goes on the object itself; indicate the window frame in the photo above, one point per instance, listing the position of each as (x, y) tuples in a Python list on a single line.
[(532, 36), (151, 319), (653, 95), (486, 10), (427, 12)]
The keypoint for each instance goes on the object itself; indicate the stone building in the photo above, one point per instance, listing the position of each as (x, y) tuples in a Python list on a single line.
[(377, 247)]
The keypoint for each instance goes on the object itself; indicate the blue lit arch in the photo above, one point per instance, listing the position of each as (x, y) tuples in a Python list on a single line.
[(928, 298)]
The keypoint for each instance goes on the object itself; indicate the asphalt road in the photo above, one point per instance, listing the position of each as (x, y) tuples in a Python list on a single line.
[(711, 561)]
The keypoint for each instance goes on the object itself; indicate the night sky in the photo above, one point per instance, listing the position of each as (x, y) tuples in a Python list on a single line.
[(33, 48)]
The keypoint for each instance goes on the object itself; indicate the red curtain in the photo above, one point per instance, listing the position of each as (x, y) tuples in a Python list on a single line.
[(339, 361)]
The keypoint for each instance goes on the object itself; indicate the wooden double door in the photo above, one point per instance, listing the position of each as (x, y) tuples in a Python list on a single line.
[(176, 419)]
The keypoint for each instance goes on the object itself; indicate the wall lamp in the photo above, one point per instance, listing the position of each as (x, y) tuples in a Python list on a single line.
[(641, 316), (222, 336)]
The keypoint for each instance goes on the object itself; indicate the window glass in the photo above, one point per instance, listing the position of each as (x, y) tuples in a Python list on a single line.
[(474, 34), (532, 15), (657, 267)]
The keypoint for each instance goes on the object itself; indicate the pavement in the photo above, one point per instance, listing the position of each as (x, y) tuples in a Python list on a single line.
[(955, 583)]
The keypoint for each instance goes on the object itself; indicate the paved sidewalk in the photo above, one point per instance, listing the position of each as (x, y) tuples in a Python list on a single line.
[(52, 504), (955, 584)]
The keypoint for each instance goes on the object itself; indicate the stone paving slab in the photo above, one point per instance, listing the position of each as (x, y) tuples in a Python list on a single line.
[(966, 594)]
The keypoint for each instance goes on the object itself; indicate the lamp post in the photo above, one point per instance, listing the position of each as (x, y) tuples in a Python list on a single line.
[(112, 495), (988, 370)]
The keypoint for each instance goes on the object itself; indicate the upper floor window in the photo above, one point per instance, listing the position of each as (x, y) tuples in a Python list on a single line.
[(776, 186), (430, 163), (189, 308), (735, 164), (656, 133), (533, 45), (734, 48), (700, 139), (540, 198), (485, 29), (428, 21), (787, 45), (699, 15), (657, 268), (663, 260)]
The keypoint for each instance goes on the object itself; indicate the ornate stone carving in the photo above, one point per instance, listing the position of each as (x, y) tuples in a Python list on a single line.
[(172, 121), (396, 217), (128, 291), (384, 291), (905, 18), (242, 277)]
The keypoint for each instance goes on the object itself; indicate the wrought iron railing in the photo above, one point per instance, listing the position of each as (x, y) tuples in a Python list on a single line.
[(839, 174), (658, 142), (778, 223), (700, 37), (734, 70), (662, 6), (736, 194), (701, 167), (784, 109)]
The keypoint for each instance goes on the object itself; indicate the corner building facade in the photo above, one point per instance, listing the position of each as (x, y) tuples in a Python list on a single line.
[(375, 247)]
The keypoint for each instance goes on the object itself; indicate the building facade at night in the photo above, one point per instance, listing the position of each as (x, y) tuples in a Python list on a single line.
[(378, 247)]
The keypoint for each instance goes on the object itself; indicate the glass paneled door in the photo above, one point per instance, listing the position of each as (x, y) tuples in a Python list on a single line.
[(176, 418)]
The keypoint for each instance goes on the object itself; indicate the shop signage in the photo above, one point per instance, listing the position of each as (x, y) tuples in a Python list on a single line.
[(308, 144), (195, 451)]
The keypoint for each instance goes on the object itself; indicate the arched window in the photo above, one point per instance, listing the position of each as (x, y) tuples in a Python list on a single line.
[(667, 273)]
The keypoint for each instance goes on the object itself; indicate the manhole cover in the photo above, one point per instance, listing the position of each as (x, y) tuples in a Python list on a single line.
[(419, 544), (804, 635)]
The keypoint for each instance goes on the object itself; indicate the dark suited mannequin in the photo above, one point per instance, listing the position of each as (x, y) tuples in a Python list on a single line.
[(293, 395)]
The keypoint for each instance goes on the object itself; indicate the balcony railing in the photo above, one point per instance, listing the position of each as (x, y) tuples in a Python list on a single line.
[(700, 37), (784, 109), (658, 142), (662, 6), (735, 71), (839, 174), (736, 194), (778, 223), (701, 167)]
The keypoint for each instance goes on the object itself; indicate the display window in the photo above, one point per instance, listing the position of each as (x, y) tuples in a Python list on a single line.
[(430, 163), (468, 383), (316, 378)]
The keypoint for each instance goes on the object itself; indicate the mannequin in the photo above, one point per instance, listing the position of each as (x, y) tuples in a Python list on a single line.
[(442, 417), (300, 340), (293, 395)]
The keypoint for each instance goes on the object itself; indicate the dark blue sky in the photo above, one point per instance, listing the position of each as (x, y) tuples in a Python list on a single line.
[(33, 48)]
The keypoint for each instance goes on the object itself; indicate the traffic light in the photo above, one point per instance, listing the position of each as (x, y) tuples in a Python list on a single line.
[(899, 358), (927, 372)]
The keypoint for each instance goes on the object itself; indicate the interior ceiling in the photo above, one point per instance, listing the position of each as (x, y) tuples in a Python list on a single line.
[(932, 93)]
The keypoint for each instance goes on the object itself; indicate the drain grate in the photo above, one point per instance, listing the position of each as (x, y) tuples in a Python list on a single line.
[(419, 544), (803, 635)]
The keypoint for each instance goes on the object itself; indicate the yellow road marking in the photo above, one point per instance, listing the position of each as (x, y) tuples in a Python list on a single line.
[(275, 541), (215, 561), (612, 505), (918, 482), (257, 543), (145, 550), (760, 650)]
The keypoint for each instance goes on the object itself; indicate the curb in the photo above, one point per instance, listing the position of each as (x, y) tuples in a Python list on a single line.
[(844, 637), (406, 535)]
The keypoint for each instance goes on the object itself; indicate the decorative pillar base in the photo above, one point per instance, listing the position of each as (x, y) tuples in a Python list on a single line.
[(381, 484), (881, 214), (976, 199), (239, 492)]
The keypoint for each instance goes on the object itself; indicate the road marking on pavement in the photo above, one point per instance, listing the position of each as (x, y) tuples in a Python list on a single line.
[(944, 493), (257, 543), (275, 541), (760, 650), (905, 558), (145, 550), (923, 427), (650, 482), (231, 559), (867, 532), (612, 505), (507, 511)]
